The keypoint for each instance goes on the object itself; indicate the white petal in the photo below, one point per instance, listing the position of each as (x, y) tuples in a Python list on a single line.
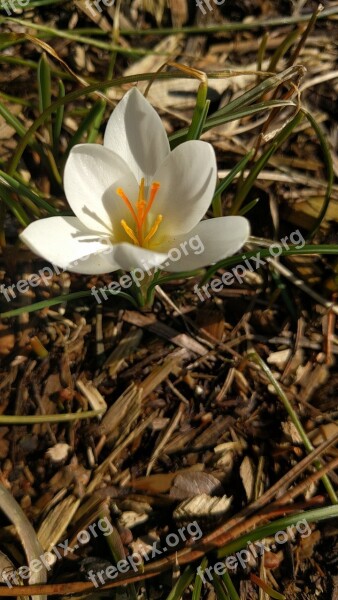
[(92, 173), (208, 242), (129, 257), (187, 183), (135, 132), (65, 242)]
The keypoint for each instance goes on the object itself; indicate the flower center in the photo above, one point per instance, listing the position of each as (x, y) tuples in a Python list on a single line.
[(143, 206)]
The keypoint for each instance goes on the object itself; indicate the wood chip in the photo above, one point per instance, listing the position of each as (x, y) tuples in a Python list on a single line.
[(202, 505)]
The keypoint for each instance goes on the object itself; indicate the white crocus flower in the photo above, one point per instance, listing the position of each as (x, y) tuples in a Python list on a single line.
[(135, 200)]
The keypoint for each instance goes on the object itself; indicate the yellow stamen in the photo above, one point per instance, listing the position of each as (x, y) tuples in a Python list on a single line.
[(129, 232), (155, 186), (141, 203), (126, 200), (154, 228), (140, 213)]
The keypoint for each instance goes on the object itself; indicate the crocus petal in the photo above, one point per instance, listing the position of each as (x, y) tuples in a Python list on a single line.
[(129, 257), (63, 241), (90, 172), (187, 180), (135, 132), (208, 242)]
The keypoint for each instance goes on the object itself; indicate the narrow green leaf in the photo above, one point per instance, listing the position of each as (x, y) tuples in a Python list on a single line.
[(200, 112), (217, 119), (254, 356), (44, 83), (16, 208), (58, 418), (311, 516), (175, 276), (196, 594), (93, 130), (45, 90), (245, 209), (89, 122), (246, 25), (59, 300), (230, 587), (282, 49), (329, 169), (228, 179), (12, 120), (58, 120), (221, 592), (283, 292), (264, 252), (280, 138), (22, 189), (182, 583)]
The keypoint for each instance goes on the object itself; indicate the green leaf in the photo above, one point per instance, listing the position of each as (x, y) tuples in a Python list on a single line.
[(93, 130), (264, 252), (181, 584), (59, 300), (58, 118), (245, 209), (280, 138), (228, 179), (89, 125), (221, 592), (44, 83), (224, 183), (329, 169), (44, 89), (23, 190), (12, 120), (200, 113), (311, 516), (16, 208), (58, 418), (230, 586), (196, 594), (254, 356)]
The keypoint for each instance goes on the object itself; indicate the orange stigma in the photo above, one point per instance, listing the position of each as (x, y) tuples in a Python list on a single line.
[(143, 206)]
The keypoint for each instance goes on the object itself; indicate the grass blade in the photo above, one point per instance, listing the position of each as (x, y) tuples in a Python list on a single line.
[(315, 515), (254, 356), (196, 594), (59, 418), (221, 592), (264, 253), (16, 208), (58, 121), (200, 112), (59, 300), (280, 138), (181, 585)]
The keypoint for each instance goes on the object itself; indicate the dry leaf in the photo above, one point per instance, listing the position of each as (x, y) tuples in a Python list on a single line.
[(188, 485), (247, 473)]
